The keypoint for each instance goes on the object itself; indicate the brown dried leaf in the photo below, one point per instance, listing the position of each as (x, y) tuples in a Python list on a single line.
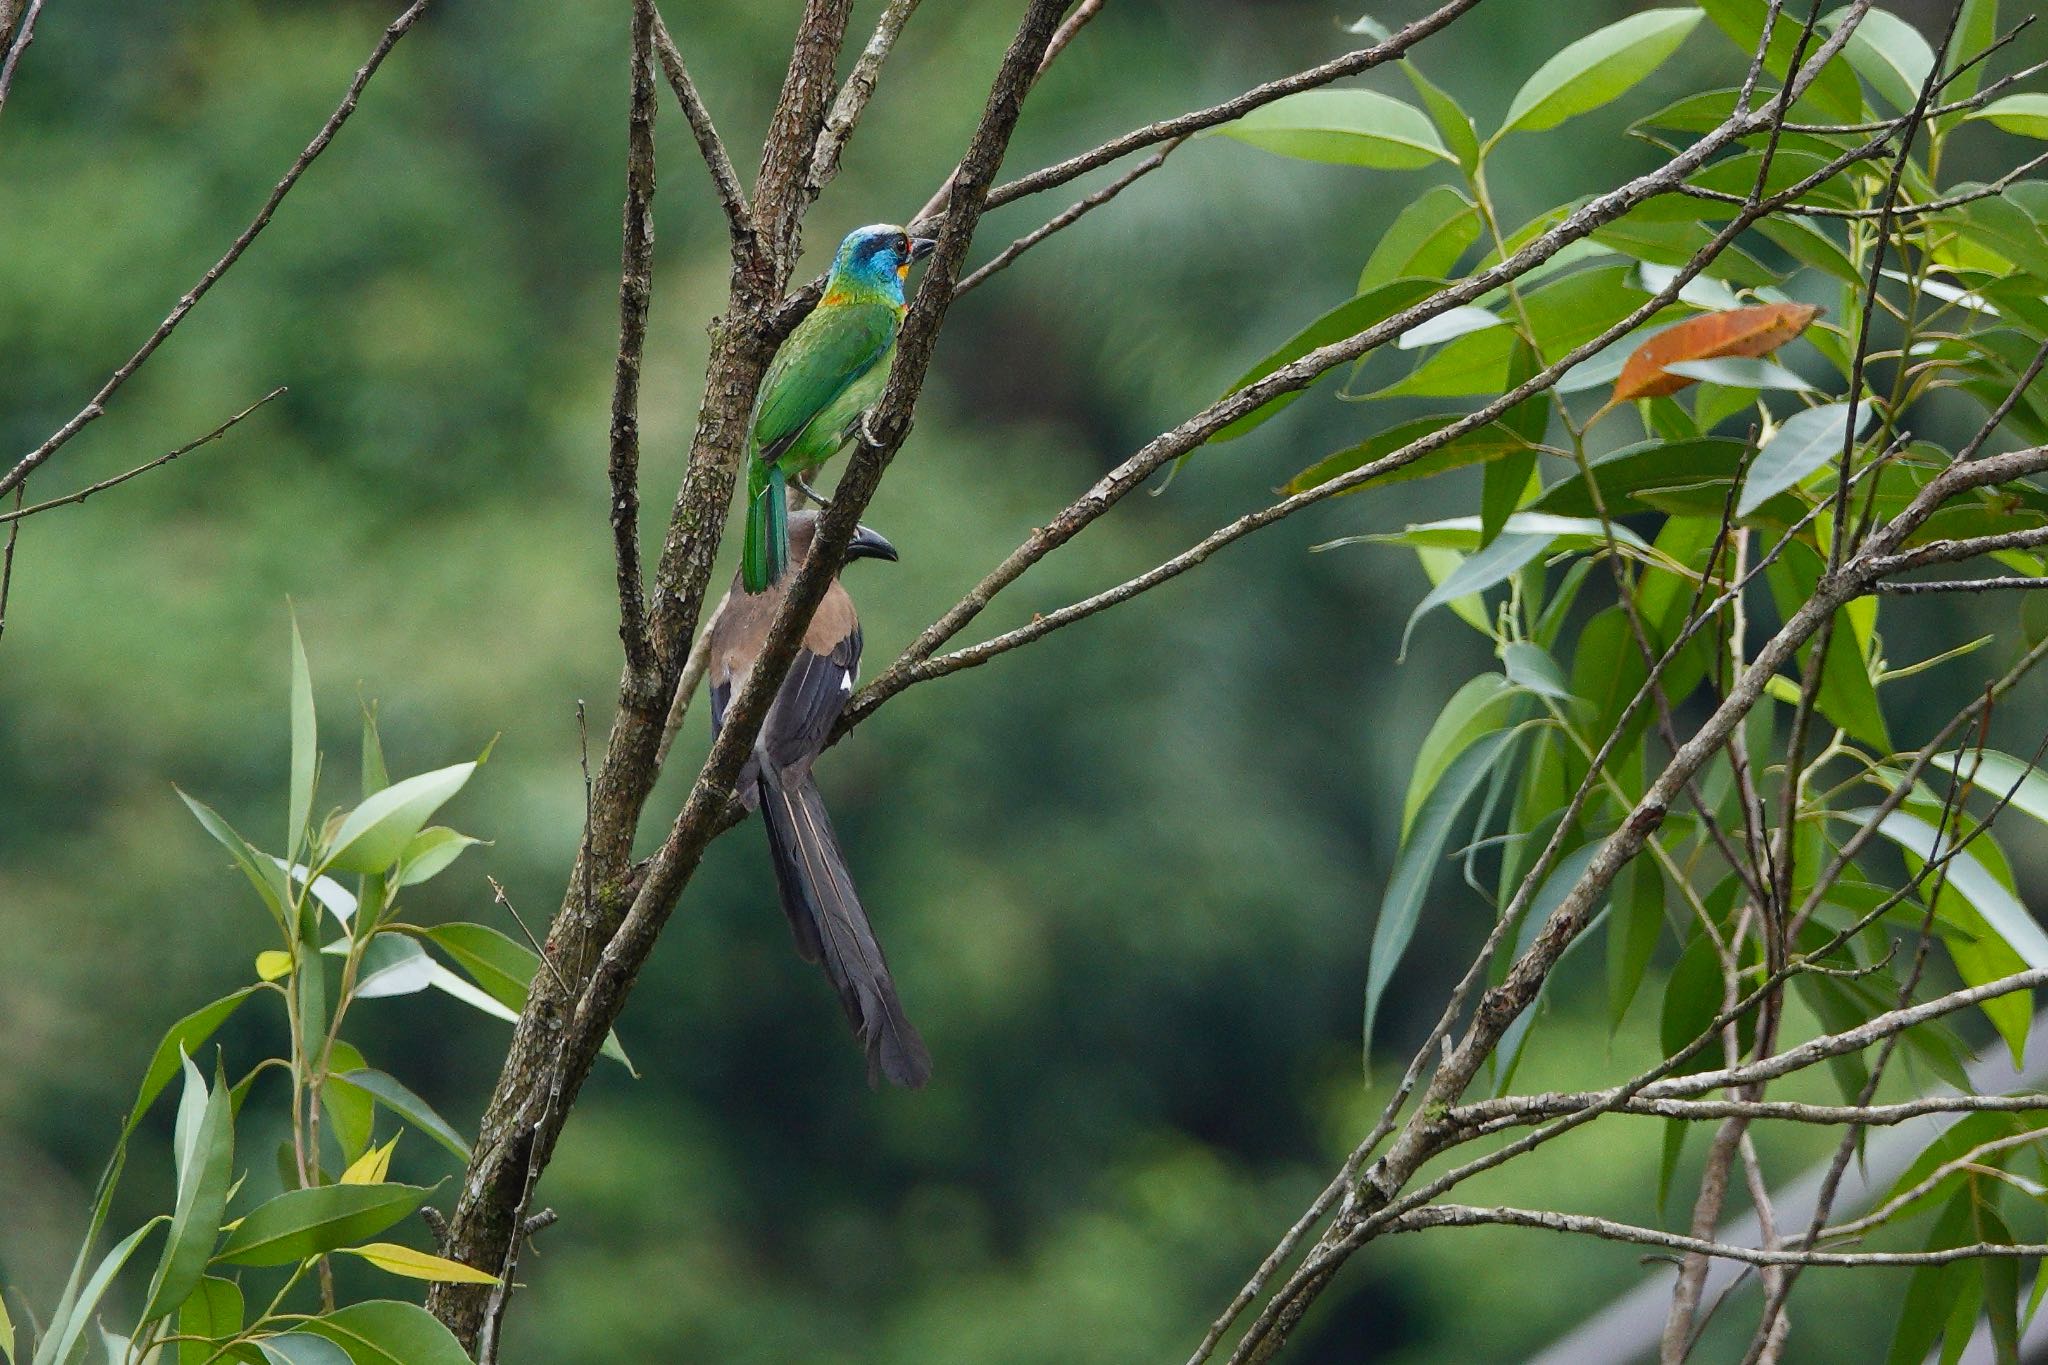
[(1746, 332)]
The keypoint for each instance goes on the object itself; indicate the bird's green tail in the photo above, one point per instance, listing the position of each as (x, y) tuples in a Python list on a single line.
[(766, 554)]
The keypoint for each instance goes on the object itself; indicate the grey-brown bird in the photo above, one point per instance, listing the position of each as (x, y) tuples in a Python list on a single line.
[(817, 892)]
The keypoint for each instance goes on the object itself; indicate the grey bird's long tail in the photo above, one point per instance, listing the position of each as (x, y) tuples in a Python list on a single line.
[(831, 927)]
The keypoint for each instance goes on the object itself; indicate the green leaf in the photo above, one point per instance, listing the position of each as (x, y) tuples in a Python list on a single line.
[(305, 744), (262, 872), (1648, 466), (2026, 115), (392, 964), (387, 1332), (1344, 128), (376, 833), (206, 1167), (1485, 569), (1737, 372), (1481, 445), (1598, 68), (375, 778), (1996, 774), (1835, 93), (1807, 242), (351, 1111), (1890, 54), (184, 1037), (503, 967), (1451, 121), (1420, 854), (67, 1326), (1808, 440), (1478, 708), (1633, 928), (212, 1313), (1933, 1290), (1424, 241), (1370, 308), (394, 1096), (301, 1223), (1563, 313), (1976, 30), (430, 852), (300, 1348)]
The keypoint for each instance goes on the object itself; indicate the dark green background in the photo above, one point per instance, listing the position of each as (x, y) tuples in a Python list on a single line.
[(1127, 877)]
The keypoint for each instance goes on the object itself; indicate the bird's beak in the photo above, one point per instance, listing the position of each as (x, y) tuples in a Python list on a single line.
[(867, 544), (921, 247)]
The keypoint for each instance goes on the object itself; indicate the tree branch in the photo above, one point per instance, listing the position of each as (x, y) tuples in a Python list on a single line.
[(104, 484), (97, 407), (636, 283), (856, 92), (1069, 216), (22, 38), (739, 219)]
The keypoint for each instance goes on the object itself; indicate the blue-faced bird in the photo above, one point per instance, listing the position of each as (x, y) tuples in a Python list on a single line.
[(811, 877), (820, 385)]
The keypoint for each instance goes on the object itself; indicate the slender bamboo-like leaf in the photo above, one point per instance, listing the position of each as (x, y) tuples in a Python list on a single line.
[(206, 1167), (1478, 708), (393, 1095), (66, 1332), (375, 833), (262, 872), (1420, 855)]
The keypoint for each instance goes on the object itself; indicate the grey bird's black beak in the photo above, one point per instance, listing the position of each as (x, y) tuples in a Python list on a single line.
[(921, 247), (867, 544)]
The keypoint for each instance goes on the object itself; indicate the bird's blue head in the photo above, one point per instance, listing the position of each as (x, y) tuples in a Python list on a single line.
[(876, 260)]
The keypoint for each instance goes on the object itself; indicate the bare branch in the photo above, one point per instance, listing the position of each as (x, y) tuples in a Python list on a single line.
[(739, 219), (856, 92), (104, 484), (1350, 64), (1466, 1216), (22, 38), (98, 406), (1069, 216), (636, 285), (1963, 585)]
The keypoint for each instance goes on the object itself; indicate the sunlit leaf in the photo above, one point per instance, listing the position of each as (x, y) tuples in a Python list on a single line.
[(2026, 114), (371, 1167), (430, 852), (206, 1159), (273, 964), (418, 1265)]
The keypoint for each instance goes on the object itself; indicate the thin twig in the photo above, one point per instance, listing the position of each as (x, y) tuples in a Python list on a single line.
[(1069, 216), (104, 484), (1963, 585), (739, 219), (98, 406), (7, 556), (854, 95)]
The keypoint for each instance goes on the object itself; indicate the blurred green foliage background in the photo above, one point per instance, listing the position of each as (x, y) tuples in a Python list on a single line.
[(1126, 876)]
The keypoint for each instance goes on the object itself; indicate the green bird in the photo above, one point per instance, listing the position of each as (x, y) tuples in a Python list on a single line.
[(821, 384)]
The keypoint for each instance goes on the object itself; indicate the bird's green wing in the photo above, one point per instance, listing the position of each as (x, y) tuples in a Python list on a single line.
[(833, 347)]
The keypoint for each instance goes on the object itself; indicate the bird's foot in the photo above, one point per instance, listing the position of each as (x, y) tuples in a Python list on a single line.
[(813, 494), (867, 432)]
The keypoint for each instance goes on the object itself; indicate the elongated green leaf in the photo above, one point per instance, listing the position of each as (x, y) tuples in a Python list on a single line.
[(1562, 313), (1479, 446), (430, 853), (1976, 30), (1344, 128), (1997, 774), (1633, 929), (1807, 242), (1370, 308), (502, 966), (184, 1037), (1598, 68), (67, 1328), (261, 871), (206, 1167), (392, 964), (305, 744), (394, 1096), (1835, 93), (1808, 440), (1451, 121), (1486, 568), (1401, 906), (376, 832), (1890, 54), (1424, 241), (301, 1348), (387, 1332), (1933, 1290), (2026, 115), (1648, 466), (302, 1223), (1462, 533), (1737, 372), (1478, 708), (213, 1313), (2002, 912)]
